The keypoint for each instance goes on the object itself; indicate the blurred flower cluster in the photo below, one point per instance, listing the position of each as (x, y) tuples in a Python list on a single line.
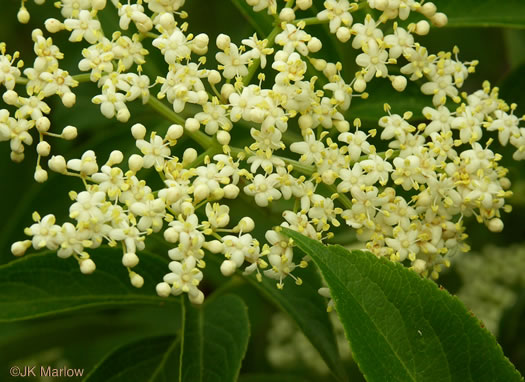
[(491, 280), (406, 202)]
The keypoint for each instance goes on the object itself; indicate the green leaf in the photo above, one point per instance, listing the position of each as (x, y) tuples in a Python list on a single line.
[(402, 327), (43, 284), (308, 309), (139, 361), (214, 340), (486, 13)]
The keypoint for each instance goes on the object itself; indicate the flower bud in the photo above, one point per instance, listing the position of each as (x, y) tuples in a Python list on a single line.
[(23, 15), (223, 41), (192, 124), (422, 28), (214, 77), (197, 298), (246, 224), (216, 194), (359, 85), (115, 157), (189, 156), (439, 20), (123, 115), (136, 280), (342, 126), (314, 45), (69, 99), (138, 209), (87, 266), (171, 194), (231, 191), (43, 124), (201, 39), (10, 97), (130, 260), (53, 25), (303, 4), (505, 183), (138, 131), (495, 225), (171, 235), (330, 70), (287, 14), (318, 63), (343, 34), (43, 148), (19, 248), (98, 4), (163, 289), (57, 163), (16, 157), (428, 9), (223, 137), (228, 268), (69, 133), (399, 83), (135, 163), (174, 132), (305, 122), (200, 44), (226, 91), (40, 175), (166, 20), (214, 246), (201, 192), (419, 266)]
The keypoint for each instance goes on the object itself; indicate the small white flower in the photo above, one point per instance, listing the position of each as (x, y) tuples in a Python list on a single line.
[(84, 26), (232, 63), (185, 277), (155, 151), (337, 12), (263, 189)]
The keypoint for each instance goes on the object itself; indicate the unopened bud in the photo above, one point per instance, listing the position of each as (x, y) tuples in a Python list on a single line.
[(43, 148), (138, 131), (69, 133), (87, 266), (163, 289)]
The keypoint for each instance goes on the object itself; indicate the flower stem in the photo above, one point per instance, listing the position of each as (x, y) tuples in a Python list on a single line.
[(198, 136)]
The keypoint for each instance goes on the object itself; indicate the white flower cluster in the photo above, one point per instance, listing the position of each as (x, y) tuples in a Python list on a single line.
[(491, 280), (407, 203)]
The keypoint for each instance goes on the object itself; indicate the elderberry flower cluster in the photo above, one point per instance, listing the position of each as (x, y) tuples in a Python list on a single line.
[(307, 157)]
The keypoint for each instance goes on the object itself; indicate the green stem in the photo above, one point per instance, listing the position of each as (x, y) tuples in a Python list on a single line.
[(83, 77), (22, 80), (198, 136), (310, 21)]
